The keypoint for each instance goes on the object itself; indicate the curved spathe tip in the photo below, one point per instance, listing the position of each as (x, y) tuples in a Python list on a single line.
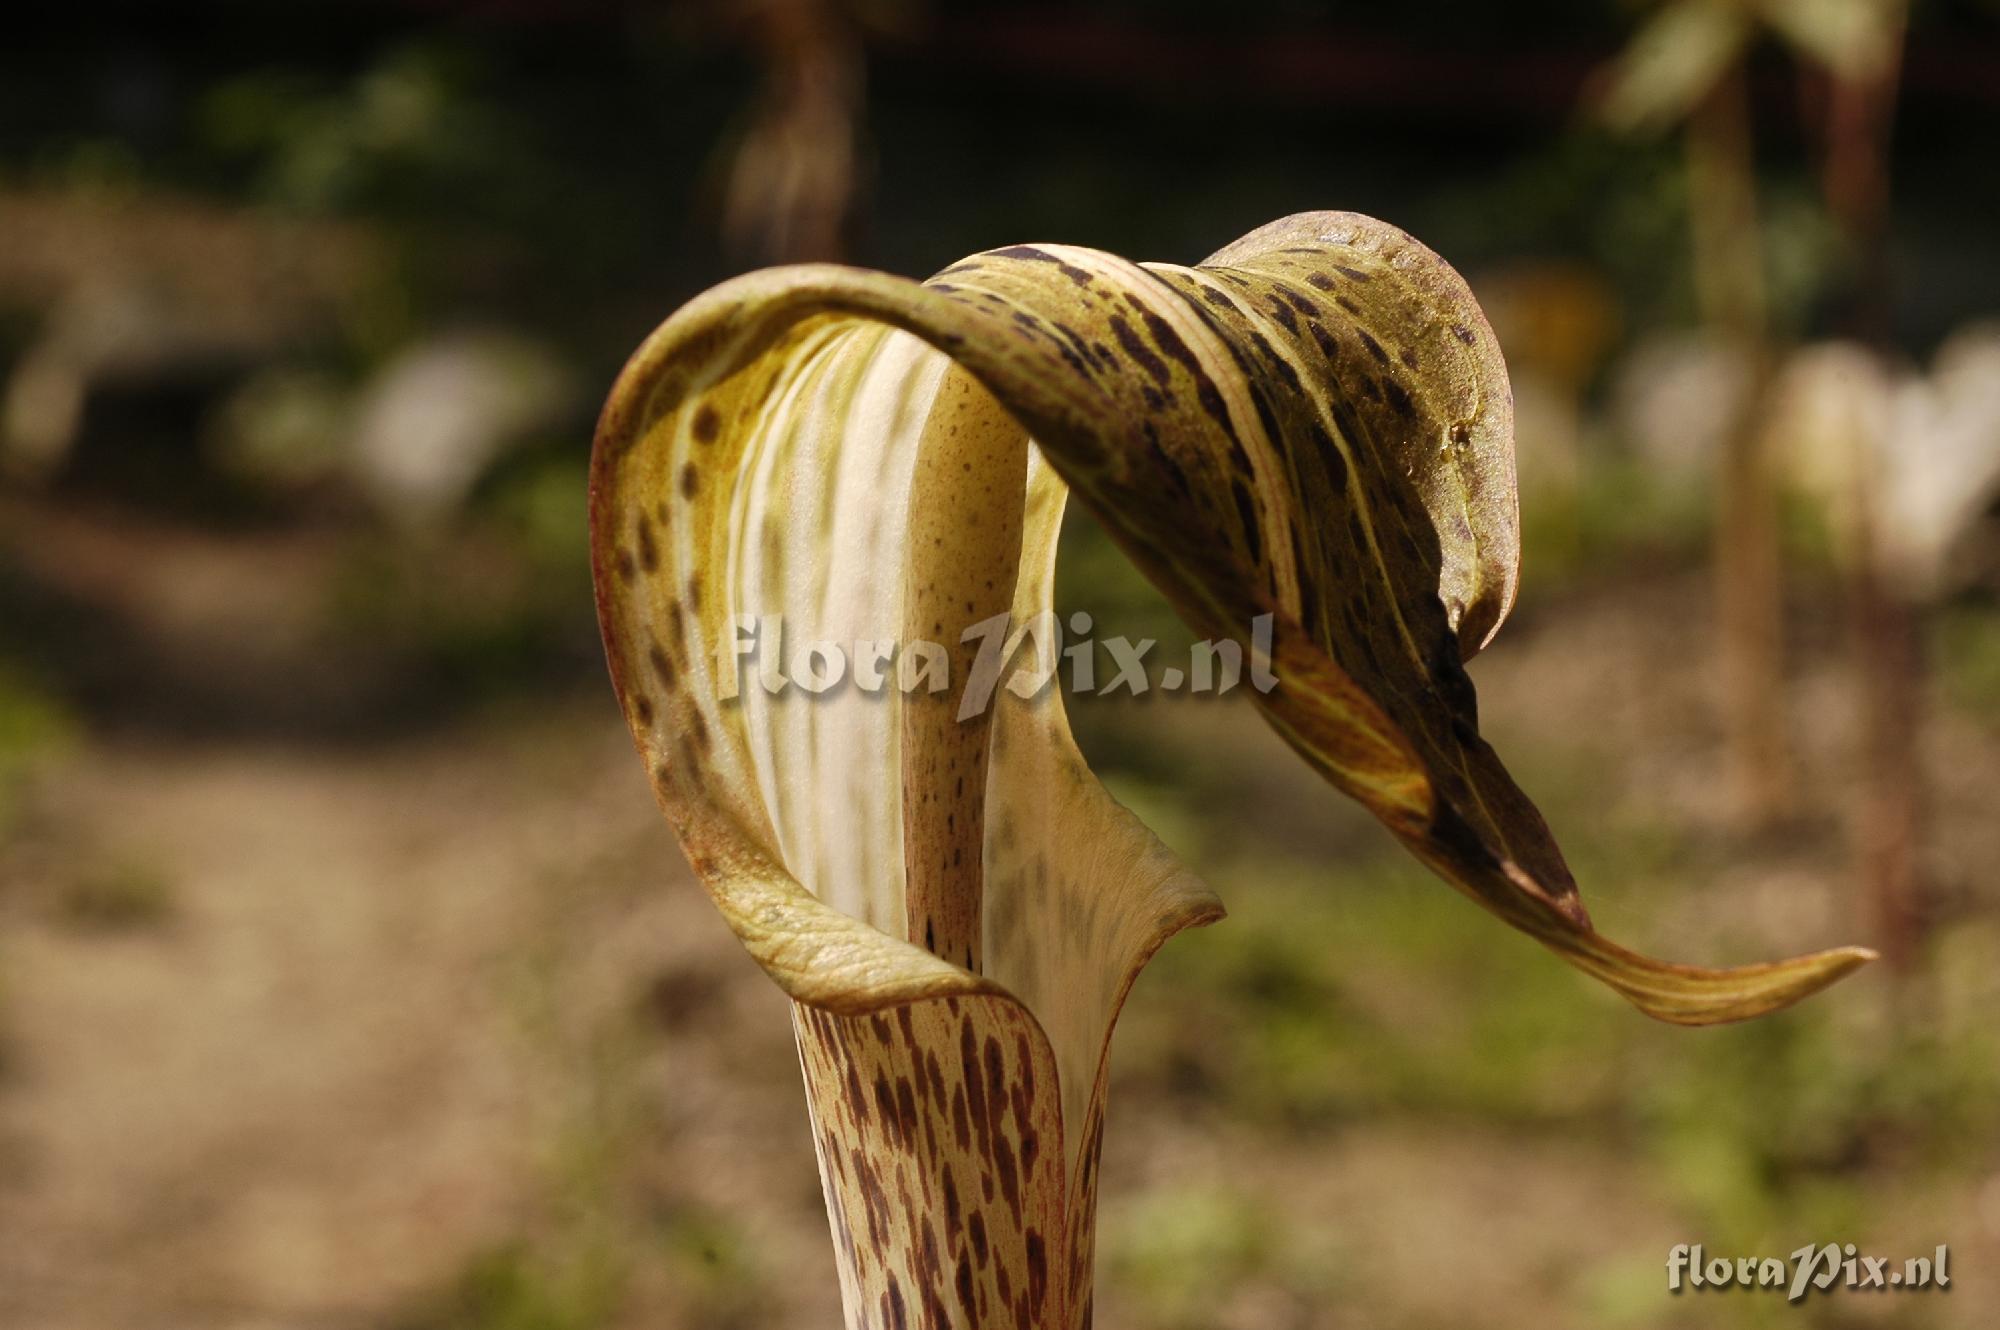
[(1694, 995)]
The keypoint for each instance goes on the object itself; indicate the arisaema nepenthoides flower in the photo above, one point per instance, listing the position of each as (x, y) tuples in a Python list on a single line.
[(1313, 425)]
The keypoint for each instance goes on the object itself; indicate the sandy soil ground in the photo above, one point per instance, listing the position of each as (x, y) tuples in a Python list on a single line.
[(371, 1032)]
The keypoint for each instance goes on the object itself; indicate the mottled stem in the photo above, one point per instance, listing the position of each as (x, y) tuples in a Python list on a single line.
[(965, 529)]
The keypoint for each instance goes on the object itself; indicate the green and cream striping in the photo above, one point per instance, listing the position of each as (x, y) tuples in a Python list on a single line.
[(1315, 424)]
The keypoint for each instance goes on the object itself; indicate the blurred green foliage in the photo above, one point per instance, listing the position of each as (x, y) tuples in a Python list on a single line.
[(1185, 1249), (1965, 644), (34, 727), (128, 895), (514, 1288), (413, 125), (1354, 991), (501, 602), (1617, 516)]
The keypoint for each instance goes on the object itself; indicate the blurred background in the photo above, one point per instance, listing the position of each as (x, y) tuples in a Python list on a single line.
[(348, 977)]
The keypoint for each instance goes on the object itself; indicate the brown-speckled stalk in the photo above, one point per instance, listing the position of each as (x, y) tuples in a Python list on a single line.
[(966, 501)]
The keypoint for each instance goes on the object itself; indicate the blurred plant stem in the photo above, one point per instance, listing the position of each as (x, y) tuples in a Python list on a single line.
[(792, 183), (1860, 112), (1687, 66), (1749, 586)]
